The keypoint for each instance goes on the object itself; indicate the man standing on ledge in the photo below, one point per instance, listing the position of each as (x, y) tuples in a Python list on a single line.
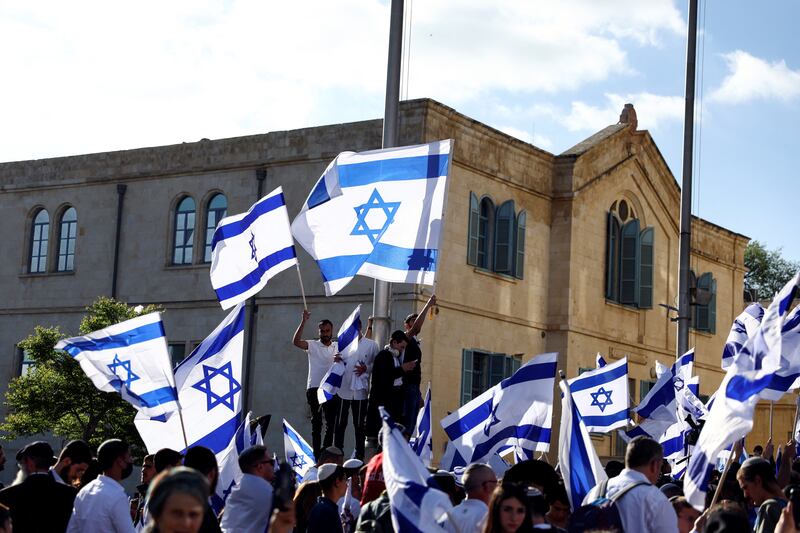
[(320, 358), (412, 397)]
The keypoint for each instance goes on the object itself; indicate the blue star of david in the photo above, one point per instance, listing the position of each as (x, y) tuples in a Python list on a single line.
[(375, 202), (493, 420), (298, 461), (126, 366), (227, 492), (601, 404), (252, 246), (678, 382), (212, 398)]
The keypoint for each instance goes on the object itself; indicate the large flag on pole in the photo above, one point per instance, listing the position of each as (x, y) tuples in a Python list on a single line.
[(580, 466), (752, 371), (415, 506), (518, 411), (377, 214), (297, 451), (744, 326), (421, 440), (209, 384), (250, 248), (132, 359), (601, 396)]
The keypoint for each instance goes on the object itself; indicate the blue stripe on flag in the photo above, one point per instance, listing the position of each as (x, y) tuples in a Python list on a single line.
[(319, 195), (385, 255), (782, 383), (350, 334), (406, 525), (253, 277), (220, 341), (397, 169), (605, 420), (663, 396), (295, 438), (529, 432), (531, 373), (673, 445), (602, 378), (580, 466), (151, 398), (742, 389), (238, 227), (220, 438), (141, 334)]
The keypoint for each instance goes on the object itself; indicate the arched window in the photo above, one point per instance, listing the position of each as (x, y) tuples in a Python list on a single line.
[(40, 229), (519, 266), (486, 233), (184, 232), (504, 229), (67, 231), (629, 258), (216, 210)]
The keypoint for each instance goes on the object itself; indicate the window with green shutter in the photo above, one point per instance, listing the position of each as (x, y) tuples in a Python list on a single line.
[(482, 370), (630, 258), (504, 238), (646, 268), (474, 230), (519, 266)]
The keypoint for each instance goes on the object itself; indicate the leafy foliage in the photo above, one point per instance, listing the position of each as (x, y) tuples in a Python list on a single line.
[(56, 396), (768, 270)]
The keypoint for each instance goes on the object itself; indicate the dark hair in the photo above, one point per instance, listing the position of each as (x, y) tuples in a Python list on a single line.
[(327, 484), (758, 466), (110, 451), (613, 468), (330, 454), (149, 458), (642, 450), (502, 493), (176, 480), (537, 503), (411, 318), (78, 451), (165, 458), (250, 458), (305, 497), (558, 493), (201, 459), (398, 336), (325, 322), (728, 517), (679, 503)]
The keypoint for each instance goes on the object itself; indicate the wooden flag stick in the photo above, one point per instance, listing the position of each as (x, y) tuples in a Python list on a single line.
[(302, 289), (771, 411)]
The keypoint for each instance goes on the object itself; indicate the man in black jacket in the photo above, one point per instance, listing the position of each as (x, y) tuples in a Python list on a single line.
[(324, 516), (26, 499), (387, 383)]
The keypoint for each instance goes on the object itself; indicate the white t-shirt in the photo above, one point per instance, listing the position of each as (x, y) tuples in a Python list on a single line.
[(359, 385), (320, 359)]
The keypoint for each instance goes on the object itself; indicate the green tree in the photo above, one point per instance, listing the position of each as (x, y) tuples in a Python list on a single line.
[(56, 396), (768, 270)]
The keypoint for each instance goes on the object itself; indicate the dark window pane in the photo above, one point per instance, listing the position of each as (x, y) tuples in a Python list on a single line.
[(184, 232), (629, 271), (216, 211), (504, 238)]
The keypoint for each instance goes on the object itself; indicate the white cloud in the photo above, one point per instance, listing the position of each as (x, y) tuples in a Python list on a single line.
[(752, 78), (652, 110), (97, 75)]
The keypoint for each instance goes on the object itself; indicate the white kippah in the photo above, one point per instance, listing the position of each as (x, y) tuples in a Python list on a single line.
[(325, 471), (353, 463)]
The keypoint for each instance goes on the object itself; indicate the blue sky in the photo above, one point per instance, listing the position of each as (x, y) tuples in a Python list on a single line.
[(91, 76)]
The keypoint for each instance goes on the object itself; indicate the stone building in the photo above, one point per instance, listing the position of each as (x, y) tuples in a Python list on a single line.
[(570, 253)]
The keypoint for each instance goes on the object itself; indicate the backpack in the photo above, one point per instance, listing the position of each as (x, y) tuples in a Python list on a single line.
[(602, 514)]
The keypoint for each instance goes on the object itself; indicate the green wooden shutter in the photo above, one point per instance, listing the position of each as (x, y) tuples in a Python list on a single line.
[(466, 376), (612, 257), (473, 232), (485, 233), (504, 238), (712, 308), (703, 312), (646, 269), (629, 275), (519, 266)]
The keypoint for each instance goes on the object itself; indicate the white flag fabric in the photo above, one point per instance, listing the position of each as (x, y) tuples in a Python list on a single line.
[(660, 402), (745, 325), (415, 506), (581, 468), (297, 451), (228, 463), (132, 359), (517, 411), (250, 248), (600, 362), (601, 396), (347, 342), (753, 368), (377, 214), (421, 440), (209, 384)]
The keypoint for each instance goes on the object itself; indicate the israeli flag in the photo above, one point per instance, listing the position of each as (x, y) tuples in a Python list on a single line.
[(130, 358), (377, 214), (421, 440), (415, 505), (660, 402), (581, 468), (649, 427), (787, 377), (250, 248), (744, 326), (674, 441), (297, 451), (600, 362), (731, 415), (451, 458), (228, 463), (209, 384), (517, 411), (601, 396)]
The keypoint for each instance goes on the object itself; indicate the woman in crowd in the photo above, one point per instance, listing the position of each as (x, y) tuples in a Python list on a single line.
[(508, 510), (177, 501)]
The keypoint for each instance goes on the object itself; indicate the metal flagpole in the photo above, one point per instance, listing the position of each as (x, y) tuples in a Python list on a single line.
[(685, 240), (252, 319), (382, 293), (302, 289)]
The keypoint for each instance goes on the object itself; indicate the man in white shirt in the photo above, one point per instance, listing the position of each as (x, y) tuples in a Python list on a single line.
[(250, 502), (102, 504), (469, 516), (353, 394), (320, 353), (644, 507)]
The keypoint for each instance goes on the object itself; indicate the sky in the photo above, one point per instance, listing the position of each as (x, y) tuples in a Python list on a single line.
[(92, 76)]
